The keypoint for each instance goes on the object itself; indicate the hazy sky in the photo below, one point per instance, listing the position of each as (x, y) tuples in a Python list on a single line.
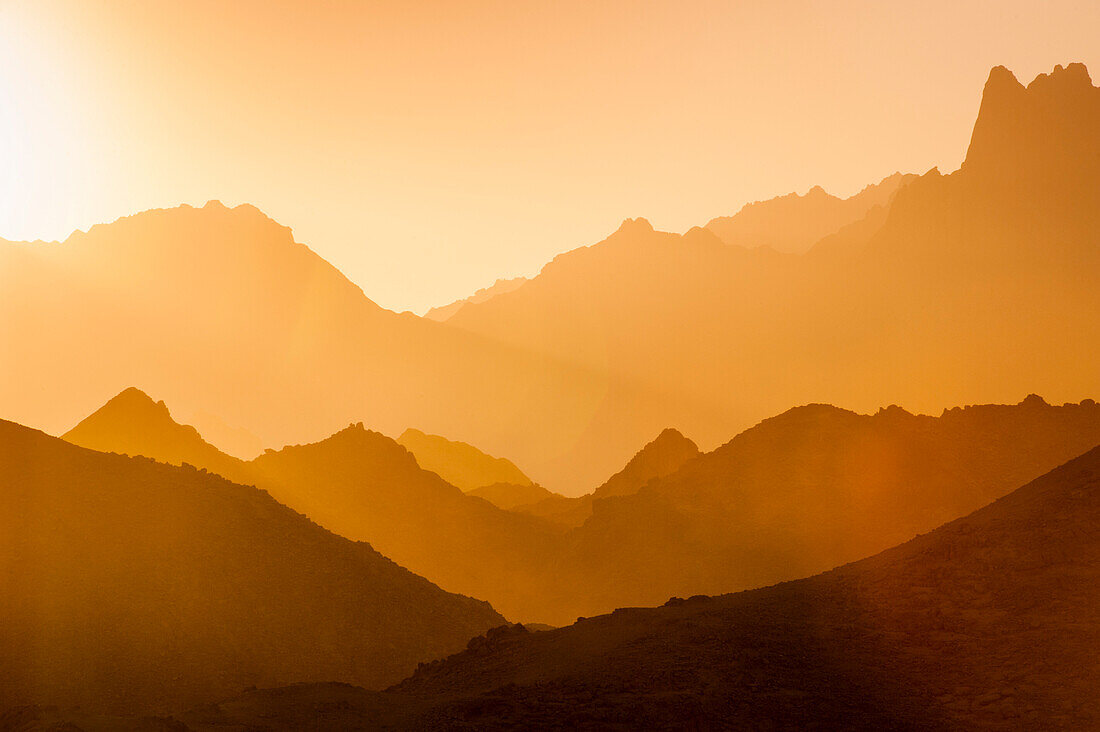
[(427, 148)]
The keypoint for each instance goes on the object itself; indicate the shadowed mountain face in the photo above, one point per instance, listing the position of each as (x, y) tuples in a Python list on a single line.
[(217, 310), (988, 622), (794, 223), (133, 584), (813, 488), (365, 486), (799, 493), (460, 464)]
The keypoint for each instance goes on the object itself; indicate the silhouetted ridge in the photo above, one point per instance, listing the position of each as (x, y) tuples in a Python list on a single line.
[(987, 622), (664, 455), (1046, 131), (134, 424), (133, 584)]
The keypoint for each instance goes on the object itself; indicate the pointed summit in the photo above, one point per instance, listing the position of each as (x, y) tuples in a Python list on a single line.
[(1044, 134), (664, 455), (132, 423)]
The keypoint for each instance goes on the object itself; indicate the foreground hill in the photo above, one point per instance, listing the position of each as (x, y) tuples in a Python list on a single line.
[(458, 463), (133, 584), (988, 622)]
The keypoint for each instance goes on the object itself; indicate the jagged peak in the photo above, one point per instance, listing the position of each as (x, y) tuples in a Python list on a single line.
[(132, 399), (638, 225), (1069, 76)]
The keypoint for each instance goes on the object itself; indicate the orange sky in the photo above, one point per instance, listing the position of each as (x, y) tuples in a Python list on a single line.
[(427, 148)]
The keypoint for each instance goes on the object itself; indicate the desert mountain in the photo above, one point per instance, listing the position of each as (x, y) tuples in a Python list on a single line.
[(914, 312), (812, 488), (985, 622), (220, 311), (500, 287), (510, 495), (134, 584), (365, 486), (664, 455), (988, 622), (794, 223), (131, 423), (458, 463)]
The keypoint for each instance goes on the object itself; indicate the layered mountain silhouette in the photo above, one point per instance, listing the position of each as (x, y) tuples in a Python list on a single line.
[(365, 486), (812, 488), (988, 622), (460, 464), (511, 495), (794, 223), (131, 584), (967, 289), (220, 311), (664, 455), (131, 423), (500, 287)]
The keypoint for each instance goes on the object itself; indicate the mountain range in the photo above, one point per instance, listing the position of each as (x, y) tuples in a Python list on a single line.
[(988, 622), (222, 313), (134, 585), (798, 493)]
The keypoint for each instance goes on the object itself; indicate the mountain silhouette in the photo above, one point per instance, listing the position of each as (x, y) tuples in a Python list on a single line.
[(794, 223), (799, 493), (988, 622), (664, 455), (500, 287), (948, 297), (510, 496), (812, 488), (131, 584), (131, 423), (218, 309), (365, 486), (458, 463)]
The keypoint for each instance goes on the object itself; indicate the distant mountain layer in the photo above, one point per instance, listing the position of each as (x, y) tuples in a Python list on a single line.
[(664, 455), (799, 493), (794, 223), (988, 622), (500, 287), (458, 463), (972, 287), (976, 286), (367, 487), (130, 584), (509, 495)]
